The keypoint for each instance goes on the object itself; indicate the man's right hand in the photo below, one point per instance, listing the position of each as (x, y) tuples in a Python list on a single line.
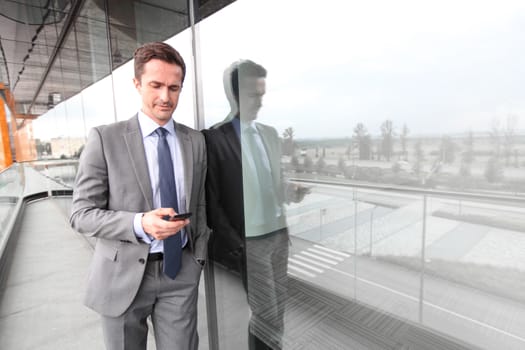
[(158, 228)]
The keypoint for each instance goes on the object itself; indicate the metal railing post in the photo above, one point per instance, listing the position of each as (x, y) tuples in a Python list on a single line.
[(423, 259)]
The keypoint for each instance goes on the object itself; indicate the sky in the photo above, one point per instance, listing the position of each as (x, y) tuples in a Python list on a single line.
[(439, 67)]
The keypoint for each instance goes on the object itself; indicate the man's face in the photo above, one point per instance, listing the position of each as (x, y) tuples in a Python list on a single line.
[(251, 92), (159, 86)]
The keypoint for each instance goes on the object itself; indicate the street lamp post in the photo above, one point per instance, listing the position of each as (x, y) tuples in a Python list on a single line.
[(322, 213), (371, 227)]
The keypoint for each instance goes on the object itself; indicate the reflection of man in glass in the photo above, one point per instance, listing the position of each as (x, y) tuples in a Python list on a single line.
[(245, 194)]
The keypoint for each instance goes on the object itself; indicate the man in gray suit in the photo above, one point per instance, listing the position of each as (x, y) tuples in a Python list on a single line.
[(119, 199)]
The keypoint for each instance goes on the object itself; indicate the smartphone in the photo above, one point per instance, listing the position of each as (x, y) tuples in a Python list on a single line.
[(179, 216)]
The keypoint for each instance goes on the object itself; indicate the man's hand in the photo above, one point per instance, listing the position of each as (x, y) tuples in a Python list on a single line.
[(297, 192), (158, 228)]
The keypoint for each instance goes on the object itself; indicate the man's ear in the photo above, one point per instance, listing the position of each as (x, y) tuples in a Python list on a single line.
[(136, 82)]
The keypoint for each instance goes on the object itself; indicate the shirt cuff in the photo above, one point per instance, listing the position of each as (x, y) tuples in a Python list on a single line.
[(139, 230)]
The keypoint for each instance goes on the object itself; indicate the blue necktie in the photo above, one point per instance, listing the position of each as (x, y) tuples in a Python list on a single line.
[(168, 199)]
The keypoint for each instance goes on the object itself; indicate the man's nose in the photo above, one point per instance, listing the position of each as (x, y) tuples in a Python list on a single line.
[(164, 95)]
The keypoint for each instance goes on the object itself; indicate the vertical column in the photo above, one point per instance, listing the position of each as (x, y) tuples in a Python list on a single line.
[(6, 158), (209, 270), (197, 75)]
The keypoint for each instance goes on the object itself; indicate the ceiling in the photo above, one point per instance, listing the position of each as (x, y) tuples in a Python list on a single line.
[(30, 32), (52, 49)]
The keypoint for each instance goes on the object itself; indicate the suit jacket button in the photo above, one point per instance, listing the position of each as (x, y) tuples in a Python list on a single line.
[(142, 261)]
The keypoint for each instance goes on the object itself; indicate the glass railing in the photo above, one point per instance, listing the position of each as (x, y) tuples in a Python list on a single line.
[(60, 171), (59, 175), (429, 258), (11, 192)]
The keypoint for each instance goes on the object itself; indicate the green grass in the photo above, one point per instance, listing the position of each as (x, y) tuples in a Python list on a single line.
[(503, 222), (502, 282)]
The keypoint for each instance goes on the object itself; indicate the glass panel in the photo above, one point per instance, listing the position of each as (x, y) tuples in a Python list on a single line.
[(50, 21), (34, 12), (127, 100), (208, 7), (57, 131), (392, 147), (97, 103), (136, 22), (60, 153), (11, 191), (185, 112), (92, 43)]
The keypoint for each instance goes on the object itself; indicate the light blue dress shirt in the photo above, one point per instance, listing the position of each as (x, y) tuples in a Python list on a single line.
[(257, 222), (150, 140)]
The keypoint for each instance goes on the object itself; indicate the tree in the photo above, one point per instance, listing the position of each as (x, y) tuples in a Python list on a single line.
[(365, 148), (363, 141), (308, 164), (320, 165), (493, 170), (447, 150), (348, 151), (42, 148), (495, 137), (419, 157), (341, 165), (403, 138), (294, 162), (288, 141), (467, 156), (387, 143), (360, 130), (509, 137)]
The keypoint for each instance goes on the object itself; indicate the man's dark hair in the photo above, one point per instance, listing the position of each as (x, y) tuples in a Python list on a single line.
[(160, 51), (245, 69)]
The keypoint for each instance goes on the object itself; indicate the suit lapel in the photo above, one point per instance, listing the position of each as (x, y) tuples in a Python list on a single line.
[(232, 139), (271, 146), (187, 159), (139, 165)]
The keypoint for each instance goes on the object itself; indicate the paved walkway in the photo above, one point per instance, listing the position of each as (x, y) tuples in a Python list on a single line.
[(42, 306)]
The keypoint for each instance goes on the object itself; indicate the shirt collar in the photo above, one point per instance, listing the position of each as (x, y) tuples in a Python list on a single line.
[(148, 126), (245, 125), (242, 126)]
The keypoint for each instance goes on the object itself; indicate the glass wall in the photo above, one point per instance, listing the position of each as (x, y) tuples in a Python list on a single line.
[(392, 136)]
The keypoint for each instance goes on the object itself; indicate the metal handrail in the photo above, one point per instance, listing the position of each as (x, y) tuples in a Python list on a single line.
[(516, 200)]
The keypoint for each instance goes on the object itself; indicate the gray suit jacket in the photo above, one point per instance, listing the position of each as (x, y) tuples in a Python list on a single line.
[(112, 185)]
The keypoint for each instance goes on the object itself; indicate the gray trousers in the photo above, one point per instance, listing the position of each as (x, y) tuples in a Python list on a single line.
[(267, 280), (172, 305)]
